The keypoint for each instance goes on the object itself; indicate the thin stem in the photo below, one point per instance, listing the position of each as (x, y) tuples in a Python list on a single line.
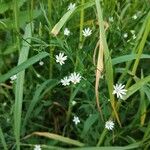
[(16, 22), (69, 107), (81, 25), (101, 139)]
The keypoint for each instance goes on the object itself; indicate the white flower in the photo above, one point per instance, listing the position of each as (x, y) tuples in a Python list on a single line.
[(66, 32), (125, 35), (41, 63), (76, 120), (87, 32), (13, 78), (109, 125), (134, 17), (111, 19), (119, 90), (73, 103), (71, 6), (65, 81), (61, 58), (37, 147), (75, 78)]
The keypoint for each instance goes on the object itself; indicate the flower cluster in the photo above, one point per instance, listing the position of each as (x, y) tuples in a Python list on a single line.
[(74, 78)]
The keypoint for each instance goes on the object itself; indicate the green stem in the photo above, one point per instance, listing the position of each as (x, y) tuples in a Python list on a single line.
[(81, 25), (101, 139), (51, 50), (16, 22), (69, 107)]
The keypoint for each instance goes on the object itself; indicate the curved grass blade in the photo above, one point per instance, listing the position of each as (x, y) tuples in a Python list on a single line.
[(58, 138), (136, 87)]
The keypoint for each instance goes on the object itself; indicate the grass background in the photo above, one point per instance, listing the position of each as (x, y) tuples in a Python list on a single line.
[(36, 108)]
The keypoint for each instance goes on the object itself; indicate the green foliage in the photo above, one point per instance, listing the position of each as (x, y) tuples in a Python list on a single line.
[(36, 109)]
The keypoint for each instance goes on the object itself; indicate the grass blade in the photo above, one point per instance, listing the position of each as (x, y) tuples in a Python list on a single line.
[(59, 138), (19, 86), (136, 87)]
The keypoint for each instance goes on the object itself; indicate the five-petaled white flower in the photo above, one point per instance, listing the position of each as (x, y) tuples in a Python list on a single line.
[(76, 120), (66, 32), (71, 6), (65, 81), (41, 63), (119, 90), (61, 58), (109, 125), (37, 147), (87, 32), (75, 78)]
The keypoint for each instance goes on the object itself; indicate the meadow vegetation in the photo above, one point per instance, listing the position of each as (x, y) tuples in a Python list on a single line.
[(74, 74)]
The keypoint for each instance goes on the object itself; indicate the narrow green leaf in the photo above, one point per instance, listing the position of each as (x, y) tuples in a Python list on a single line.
[(19, 85), (23, 66), (136, 87), (126, 58)]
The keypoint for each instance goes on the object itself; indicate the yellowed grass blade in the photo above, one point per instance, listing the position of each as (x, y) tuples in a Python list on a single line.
[(58, 138), (99, 70)]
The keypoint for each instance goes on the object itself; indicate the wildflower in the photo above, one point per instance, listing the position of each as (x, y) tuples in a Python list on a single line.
[(75, 78), (87, 32), (41, 63), (76, 120), (125, 35), (119, 90), (73, 103), (71, 6), (65, 81), (13, 78), (61, 58), (109, 125), (37, 147), (111, 19), (134, 17), (66, 32)]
